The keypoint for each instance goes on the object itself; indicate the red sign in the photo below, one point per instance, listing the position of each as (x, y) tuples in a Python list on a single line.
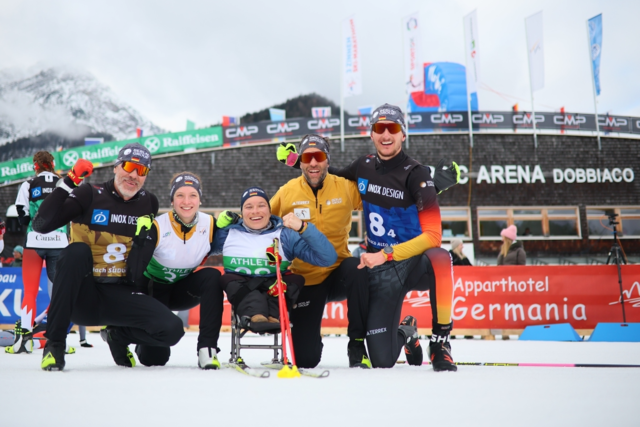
[(515, 297)]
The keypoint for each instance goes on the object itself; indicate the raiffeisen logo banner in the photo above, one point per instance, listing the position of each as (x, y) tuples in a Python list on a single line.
[(180, 141)]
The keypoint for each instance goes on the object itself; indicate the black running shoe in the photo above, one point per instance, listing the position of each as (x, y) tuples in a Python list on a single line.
[(119, 351), (53, 356), (84, 343), (412, 347), (440, 355), (358, 354)]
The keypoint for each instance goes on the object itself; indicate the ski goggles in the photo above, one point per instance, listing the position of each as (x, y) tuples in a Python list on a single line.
[(380, 127), (132, 166), (320, 156)]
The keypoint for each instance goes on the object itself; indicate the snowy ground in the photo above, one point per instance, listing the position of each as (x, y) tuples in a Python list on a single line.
[(92, 391)]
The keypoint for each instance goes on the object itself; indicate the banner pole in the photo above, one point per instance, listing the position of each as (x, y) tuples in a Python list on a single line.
[(466, 81), (533, 110), (593, 85), (470, 123), (341, 120), (342, 65), (406, 119)]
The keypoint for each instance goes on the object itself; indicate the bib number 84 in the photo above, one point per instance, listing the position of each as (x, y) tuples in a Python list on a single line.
[(376, 225)]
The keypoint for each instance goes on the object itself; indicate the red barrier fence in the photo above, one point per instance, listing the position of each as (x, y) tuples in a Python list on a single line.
[(514, 297)]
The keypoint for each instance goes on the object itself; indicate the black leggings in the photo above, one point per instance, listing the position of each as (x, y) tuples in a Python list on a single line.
[(388, 285), (201, 287), (79, 298), (345, 282)]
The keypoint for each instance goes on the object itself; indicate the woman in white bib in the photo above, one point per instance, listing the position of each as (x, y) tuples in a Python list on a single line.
[(163, 261), (249, 265)]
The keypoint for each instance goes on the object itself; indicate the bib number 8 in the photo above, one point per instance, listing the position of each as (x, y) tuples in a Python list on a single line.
[(115, 253)]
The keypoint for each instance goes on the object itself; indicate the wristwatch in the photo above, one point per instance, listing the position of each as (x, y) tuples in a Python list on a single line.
[(388, 252)]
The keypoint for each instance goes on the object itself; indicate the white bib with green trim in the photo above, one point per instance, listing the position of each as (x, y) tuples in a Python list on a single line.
[(173, 259), (246, 253)]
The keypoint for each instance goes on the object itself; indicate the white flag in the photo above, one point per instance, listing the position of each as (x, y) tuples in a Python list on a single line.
[(535, 46), (471, 50), (351, 54), (413, 69)]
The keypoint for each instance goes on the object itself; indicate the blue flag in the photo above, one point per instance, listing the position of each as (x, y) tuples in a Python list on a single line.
[(595, 42)]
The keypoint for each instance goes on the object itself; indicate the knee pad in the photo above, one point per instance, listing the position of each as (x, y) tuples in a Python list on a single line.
[(153, 356)]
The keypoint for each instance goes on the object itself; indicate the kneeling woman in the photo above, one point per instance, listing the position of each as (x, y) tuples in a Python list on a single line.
[(162, 264), (246, 247)]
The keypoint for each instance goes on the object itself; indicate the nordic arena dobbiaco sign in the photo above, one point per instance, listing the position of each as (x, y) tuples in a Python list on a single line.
[(531, 174)]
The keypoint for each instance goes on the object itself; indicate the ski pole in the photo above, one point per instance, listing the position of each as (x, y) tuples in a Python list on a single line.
[(285, 325), (539, 365)]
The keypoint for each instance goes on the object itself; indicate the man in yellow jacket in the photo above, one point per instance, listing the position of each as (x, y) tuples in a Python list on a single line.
[(326, 201)]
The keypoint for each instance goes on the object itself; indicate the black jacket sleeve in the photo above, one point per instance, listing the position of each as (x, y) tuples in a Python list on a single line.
[(350, 172), (139, 257), (23, 215), (60, 207)]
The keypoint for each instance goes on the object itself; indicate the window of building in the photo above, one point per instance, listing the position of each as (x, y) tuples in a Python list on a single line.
[(560, 222), (628, 220), (456, 223), (356, 235)]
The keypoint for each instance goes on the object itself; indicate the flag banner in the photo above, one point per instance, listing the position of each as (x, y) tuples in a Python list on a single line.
[(413, 68), (471, 51), (317, 112), (595, 44), (277, 114), (514, 297), (352, 78), (138, 132), (230, 120), (190, 125), (535, 47), (365, 111)]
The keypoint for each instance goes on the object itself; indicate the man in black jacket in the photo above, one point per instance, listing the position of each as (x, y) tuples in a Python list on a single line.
[(89, 285)]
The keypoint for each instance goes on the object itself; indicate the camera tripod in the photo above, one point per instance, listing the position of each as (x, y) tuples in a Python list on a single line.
[(615, 257)]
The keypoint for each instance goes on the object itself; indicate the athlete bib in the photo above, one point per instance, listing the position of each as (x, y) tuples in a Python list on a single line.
[(390, 212), (39, 188), (245, 253), (173, 258)]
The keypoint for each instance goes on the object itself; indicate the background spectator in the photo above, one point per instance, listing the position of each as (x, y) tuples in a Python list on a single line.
[(512, 251), (457, 256), (17, 256)]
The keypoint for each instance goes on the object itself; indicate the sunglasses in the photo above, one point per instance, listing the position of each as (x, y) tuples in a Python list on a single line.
[(131, 166), (320, 156), (393, 128)]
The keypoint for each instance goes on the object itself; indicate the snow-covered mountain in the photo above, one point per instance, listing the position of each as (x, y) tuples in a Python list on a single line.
[(64, 101)]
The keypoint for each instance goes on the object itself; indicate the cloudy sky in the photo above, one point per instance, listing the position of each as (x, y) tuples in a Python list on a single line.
[(199, 60)]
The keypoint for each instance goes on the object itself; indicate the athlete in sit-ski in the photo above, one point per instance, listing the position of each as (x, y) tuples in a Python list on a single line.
[(162, 264), (404, 232), (90, 283), (38, 248)]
